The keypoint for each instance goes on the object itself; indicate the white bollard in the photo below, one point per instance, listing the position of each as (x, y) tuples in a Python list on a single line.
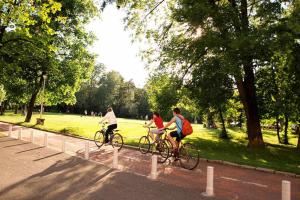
[(10, 130), (20, 134), (210, 182), (63, 144), (115, 158), (154, 167), (32, 136), (286, 190), (87, 150), (45, 139)]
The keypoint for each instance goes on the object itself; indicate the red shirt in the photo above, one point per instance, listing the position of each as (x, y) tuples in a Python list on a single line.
[(158, 122)]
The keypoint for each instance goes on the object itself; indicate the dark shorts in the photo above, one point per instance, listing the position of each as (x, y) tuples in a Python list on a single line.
[(178, 137)]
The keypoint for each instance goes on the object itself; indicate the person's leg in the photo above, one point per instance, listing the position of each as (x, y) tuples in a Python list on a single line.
[(170, 137), (151, 134), (109, 130)]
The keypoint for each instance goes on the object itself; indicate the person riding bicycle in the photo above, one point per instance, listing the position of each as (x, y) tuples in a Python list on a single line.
[(178, 120), (112, 122), (158, 121)]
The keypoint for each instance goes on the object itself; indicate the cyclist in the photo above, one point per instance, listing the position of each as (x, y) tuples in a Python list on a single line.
[(178, 120), (158, 121), (112, 122)]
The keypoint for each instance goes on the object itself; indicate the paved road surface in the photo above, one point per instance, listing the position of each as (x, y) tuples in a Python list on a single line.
[(230, 182)]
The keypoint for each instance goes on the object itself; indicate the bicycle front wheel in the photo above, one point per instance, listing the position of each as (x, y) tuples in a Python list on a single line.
[(117, 141), (99, 138), (189, 156), (163, 151), (144, 145)]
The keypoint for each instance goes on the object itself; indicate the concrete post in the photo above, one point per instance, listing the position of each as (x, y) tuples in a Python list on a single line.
[(63, 144), (286, 190), (20, 134), (115, 158), (32, 136), (87, 150), (154, 167), (10, 130), (210, 182), (45, 139)]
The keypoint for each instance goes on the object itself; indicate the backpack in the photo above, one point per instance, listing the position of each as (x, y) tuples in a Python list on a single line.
[(187, 128)]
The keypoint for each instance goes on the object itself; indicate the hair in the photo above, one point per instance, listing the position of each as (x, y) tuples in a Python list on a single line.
[(176, 110), (156, 113), (109, 109)]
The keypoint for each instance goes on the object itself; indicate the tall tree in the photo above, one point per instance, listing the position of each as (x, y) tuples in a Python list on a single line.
[(58, 51), (238, 32)]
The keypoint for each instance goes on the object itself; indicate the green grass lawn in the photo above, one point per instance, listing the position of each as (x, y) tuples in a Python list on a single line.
[(274, 156)]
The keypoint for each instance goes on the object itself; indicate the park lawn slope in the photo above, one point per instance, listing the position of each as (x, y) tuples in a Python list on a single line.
[(274, 156)]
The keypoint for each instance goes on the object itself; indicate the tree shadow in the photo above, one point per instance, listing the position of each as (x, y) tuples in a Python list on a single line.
[(72, 178)]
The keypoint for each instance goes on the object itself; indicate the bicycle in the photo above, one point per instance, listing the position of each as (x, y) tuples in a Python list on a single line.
[(159, 144), (115, 139), (187, 154)]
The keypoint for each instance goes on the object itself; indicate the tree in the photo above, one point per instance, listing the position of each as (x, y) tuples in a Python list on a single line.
[(2, 98), (58, 51), (18, 17), (163, 92), (211, 88), (238, 33)]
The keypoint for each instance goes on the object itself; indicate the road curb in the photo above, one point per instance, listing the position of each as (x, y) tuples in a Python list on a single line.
[(261, 169)]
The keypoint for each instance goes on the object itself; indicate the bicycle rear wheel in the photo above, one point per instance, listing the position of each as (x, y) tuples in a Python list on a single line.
[(144, 145), (170, 146), (189, 156), (117, 141), (163, 151), (99, 138)]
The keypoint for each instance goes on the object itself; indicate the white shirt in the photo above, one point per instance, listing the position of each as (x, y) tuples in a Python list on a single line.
[(110, 117)]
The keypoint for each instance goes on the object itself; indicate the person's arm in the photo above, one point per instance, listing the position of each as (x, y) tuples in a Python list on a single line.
[(148, 125), (103, 119), (169, 123)]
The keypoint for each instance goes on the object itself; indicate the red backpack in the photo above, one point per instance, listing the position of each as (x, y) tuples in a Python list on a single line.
[(187, 128)]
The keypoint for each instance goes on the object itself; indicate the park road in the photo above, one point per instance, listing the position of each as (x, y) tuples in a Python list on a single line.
[(230, 182), (32, 172)]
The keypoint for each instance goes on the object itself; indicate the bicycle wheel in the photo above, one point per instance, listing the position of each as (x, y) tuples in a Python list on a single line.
[(163, 151), (117, 141), (188, 156), (170, 146), (144, 145), (99, 138)]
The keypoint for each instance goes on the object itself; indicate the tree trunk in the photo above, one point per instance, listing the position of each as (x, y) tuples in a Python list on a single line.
[(298, 132), (31, 105), (210, 120), (33, 98), (224, 132), (246, 86), (286, 125), (277, 128), (2, 108), (16, 109), (247, 93), (241, 120)]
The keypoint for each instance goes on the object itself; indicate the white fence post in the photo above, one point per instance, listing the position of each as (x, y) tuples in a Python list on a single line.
[(20, 134), (210, 182), (87, 150), (286, 190), (45, 139), (32, 136), (115, 158), (10, 130), (154, 167), (63, 144)]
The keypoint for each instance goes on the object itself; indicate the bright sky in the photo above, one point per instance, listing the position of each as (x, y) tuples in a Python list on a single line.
[(114, 47)]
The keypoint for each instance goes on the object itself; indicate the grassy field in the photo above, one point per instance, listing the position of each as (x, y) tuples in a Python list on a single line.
[(274, 156)]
